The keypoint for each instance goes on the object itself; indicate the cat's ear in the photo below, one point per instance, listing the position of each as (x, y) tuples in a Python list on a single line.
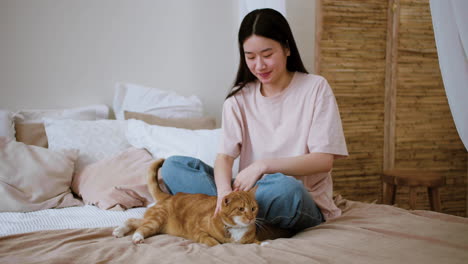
[(226, 201), (253, 190)]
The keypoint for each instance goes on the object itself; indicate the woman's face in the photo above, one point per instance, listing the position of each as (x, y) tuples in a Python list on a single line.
[(266, 58)]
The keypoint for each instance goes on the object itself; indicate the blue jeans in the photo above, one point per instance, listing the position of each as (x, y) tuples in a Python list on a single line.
[(283, 200)]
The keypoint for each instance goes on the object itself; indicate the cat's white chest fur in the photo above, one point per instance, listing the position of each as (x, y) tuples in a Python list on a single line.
[(237, 233)]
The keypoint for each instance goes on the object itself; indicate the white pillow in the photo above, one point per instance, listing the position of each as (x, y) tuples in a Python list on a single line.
[(165, 104), (95, 140), (91, 112), (163, 142), (34, 178), (7, 124)]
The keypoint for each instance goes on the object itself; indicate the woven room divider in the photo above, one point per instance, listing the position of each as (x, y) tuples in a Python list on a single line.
[(380, 59)]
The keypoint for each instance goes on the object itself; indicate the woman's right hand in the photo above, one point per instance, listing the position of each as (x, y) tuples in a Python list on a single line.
[(223, 176), (219, 202)]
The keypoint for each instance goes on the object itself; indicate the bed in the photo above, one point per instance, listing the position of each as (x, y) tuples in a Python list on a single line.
[(365, 233), (71, 176)]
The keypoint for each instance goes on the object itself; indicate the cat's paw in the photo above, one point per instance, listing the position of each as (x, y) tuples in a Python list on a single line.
[(264, 243), (120, 231), (137, 238)]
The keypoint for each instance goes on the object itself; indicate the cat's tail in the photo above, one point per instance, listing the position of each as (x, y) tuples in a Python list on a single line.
[(153, 185)]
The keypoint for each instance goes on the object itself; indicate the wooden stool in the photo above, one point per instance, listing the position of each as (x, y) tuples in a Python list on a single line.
[(413, 178)]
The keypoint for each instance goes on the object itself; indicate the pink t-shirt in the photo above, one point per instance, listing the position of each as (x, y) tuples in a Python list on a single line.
[(303, 118)]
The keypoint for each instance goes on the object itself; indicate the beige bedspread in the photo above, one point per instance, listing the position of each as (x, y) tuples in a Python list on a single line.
[(366, 233)]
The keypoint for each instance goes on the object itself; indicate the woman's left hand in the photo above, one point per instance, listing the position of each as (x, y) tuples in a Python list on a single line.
[(247, 178)]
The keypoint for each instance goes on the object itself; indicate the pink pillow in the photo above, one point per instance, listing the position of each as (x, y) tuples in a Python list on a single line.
[(118, 182)]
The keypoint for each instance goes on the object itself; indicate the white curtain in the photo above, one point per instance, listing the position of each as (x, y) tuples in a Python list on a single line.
[(450, 22), (245, 6)]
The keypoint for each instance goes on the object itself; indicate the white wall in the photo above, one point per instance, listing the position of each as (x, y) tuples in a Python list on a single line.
[(66, 53), (301, 18)]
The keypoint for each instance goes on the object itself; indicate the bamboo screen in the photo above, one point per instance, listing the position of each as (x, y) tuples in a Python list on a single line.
[(351, 52), (352, 59), (426, 136)]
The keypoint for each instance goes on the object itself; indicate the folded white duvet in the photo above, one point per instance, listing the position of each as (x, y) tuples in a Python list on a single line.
[(67, 218)]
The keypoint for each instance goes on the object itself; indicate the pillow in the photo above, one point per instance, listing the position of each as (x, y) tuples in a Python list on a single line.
[(165, 104), (187, 123), (163, 142), (34, 178), (31, 134), (29, 123), (7, 128), (95, 140), (118, 182), (91, 112)]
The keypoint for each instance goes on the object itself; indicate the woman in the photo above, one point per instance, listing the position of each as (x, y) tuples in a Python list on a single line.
[(283, 123)]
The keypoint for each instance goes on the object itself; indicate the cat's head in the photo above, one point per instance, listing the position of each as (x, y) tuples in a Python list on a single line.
[(239, 208)]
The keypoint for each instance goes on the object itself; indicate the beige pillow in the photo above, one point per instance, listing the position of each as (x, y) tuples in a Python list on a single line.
[(187, 123), (118, 182), (31, 134), (34, 178)]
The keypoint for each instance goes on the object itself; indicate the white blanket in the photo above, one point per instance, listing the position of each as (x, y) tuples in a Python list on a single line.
[(67, 218)]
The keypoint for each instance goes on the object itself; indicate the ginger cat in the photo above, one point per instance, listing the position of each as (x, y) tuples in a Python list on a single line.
[(191, 216)]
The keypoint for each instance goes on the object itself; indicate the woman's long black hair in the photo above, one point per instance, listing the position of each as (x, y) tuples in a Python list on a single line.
[(271, 24)]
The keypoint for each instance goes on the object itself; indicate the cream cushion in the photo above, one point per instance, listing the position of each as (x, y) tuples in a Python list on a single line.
[(34, 178)]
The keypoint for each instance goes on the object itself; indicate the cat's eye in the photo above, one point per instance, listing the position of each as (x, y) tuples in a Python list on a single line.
[(254, 208), (241, 209)]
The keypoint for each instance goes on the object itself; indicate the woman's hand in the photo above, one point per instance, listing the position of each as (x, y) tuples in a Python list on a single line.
[(223, 176), (219, 202), (247, 178)]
